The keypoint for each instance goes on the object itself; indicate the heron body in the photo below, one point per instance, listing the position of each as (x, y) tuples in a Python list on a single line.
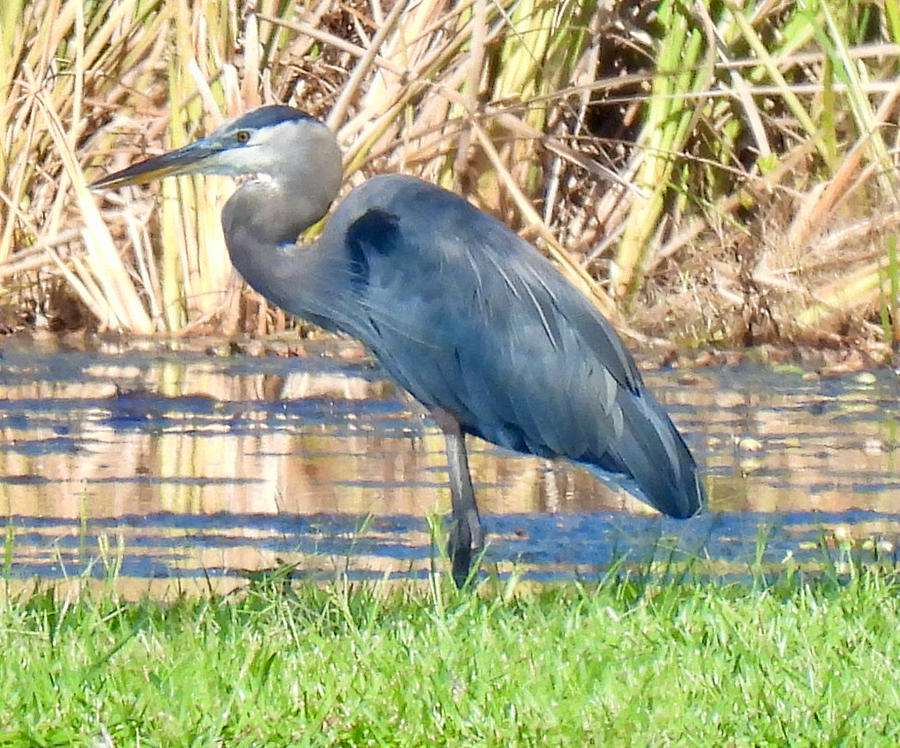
[(472, 320)]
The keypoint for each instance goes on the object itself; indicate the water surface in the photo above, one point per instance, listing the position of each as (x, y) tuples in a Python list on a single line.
[(172, 466)]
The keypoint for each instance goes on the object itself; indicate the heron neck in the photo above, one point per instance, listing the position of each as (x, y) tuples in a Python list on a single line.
[(263, 213), (261, 224)]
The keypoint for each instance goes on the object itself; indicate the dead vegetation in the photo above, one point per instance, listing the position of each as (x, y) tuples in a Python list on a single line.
[(707, 173)]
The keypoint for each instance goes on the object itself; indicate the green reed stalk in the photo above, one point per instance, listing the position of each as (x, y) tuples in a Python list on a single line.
[(669, 114)]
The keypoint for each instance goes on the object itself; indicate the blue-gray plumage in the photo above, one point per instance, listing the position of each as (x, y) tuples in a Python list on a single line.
[(473, 321)]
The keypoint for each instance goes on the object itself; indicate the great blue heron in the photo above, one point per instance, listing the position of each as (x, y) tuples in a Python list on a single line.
[(469, 318)]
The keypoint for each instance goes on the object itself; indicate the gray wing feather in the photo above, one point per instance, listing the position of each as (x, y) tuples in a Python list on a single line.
[(473, 320)]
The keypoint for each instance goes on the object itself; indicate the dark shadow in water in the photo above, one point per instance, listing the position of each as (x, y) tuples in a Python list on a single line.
[(546, 547)]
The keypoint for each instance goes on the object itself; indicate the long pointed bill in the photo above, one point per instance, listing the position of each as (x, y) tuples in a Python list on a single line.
[(184, 160)]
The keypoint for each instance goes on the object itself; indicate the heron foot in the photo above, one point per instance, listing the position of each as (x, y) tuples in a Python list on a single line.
[(466, 538), (459, 548)]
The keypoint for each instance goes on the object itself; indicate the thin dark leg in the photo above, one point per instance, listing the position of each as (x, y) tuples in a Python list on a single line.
[(466, 533)]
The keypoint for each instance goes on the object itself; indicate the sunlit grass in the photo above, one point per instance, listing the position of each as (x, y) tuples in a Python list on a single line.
[(632, 660)]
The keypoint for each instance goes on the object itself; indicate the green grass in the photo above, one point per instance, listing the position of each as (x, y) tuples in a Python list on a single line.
[(789, 661)]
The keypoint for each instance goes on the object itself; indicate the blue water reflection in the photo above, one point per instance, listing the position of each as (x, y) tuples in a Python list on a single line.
[(178, 464)]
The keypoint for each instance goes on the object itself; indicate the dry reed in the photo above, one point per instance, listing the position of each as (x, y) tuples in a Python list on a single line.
[(752, 134)]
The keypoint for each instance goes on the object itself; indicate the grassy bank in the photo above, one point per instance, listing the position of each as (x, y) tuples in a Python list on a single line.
[(785, 661)]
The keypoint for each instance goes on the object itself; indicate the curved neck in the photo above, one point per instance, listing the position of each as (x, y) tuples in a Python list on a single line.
[(261, 222), (294, 187), (266, 213)]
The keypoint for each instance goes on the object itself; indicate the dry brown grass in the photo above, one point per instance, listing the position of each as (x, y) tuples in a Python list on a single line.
[(760, 145)]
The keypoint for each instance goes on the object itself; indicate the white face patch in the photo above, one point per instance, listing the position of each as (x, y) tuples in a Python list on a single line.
[(273, 153), (266, 150), (282, 132)]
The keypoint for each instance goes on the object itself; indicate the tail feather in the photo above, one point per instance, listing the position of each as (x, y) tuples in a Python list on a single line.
[(652, 453)]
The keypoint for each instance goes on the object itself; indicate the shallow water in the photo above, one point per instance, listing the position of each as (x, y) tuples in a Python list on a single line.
[(177, 466)]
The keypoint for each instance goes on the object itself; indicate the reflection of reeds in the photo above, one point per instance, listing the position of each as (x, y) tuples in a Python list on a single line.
[(211, 442), (753, 135)]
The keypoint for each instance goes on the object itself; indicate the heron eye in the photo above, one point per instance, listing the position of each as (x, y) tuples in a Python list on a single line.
[(242, 136)]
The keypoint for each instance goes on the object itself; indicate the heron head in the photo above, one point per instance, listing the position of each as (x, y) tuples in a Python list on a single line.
[(271, 140)]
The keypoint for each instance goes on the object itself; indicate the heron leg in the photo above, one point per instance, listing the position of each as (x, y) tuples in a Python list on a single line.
[(466, 533)]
